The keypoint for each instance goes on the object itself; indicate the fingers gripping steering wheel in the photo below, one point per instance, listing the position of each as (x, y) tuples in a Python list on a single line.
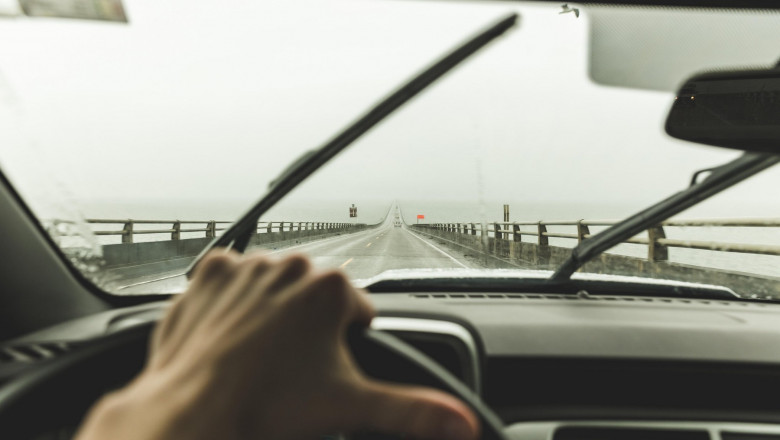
[(58, 392)]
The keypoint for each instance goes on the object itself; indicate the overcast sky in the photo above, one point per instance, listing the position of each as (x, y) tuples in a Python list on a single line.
[(194, 102)]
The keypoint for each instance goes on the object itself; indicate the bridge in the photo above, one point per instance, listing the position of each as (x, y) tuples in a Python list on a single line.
[(149, 253)]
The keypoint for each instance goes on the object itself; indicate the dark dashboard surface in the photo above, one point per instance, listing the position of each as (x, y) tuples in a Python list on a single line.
[(550, 357)]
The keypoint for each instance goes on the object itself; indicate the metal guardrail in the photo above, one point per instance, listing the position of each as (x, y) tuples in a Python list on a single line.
[(657, 242), (209, 227)]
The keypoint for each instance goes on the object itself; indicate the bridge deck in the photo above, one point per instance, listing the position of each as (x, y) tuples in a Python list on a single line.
[(361, 255), (369, 253)]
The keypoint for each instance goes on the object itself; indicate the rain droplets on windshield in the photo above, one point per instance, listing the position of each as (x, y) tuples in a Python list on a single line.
[(137, 163)]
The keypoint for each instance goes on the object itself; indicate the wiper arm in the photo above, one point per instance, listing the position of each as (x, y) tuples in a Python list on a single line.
[(721, 177), (237, 235)]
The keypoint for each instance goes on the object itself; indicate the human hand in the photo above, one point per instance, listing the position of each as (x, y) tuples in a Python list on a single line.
[(256, 348)]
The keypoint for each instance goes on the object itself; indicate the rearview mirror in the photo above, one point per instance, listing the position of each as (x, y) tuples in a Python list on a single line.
[(738, 110)]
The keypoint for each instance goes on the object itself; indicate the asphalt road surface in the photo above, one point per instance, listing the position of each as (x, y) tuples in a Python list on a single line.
[(361, 255), (368, 253)]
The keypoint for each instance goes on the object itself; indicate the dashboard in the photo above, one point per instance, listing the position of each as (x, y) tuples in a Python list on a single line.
[(559, 367), (642, 430)]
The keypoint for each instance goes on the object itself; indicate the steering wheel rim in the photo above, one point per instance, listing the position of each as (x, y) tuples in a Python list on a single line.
[(64, 388)]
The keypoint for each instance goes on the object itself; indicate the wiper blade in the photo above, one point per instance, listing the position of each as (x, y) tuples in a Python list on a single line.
[(721, 177), (481, 287), (237, 235)]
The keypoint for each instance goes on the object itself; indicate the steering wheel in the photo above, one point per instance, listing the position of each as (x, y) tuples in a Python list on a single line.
[(58, 392)]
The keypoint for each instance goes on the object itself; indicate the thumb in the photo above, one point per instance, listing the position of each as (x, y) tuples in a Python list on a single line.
[(417, 412)]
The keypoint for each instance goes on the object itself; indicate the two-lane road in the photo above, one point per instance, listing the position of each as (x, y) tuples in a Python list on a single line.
[(361, 255), (365, 254)]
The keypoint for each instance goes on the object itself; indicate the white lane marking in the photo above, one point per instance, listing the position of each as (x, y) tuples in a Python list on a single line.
[(368, 245), (344, 264), (316, 241), (437, 248), (150, 281)]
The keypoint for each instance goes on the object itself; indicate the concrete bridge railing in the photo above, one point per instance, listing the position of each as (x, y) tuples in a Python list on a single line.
[(527, 245), (131, 228), (172, 244)]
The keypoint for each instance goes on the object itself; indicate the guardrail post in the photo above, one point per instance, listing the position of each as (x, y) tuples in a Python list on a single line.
[(211, 229), (473, 229), (497, 231), (582, 231), (541, 229), (176, 230), (299, 226), (127, 232), (656, 251), (516, 236)]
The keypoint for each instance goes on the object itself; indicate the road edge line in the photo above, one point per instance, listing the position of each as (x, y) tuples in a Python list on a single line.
[(437, 248)]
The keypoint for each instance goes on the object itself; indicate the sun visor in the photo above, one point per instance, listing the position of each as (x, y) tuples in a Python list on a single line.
[(657, 48)]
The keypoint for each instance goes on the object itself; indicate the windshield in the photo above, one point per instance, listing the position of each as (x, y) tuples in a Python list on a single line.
[(136, 144)]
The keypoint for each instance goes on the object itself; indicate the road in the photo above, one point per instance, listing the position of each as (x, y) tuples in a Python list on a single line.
[(368, 253), (361, 255)]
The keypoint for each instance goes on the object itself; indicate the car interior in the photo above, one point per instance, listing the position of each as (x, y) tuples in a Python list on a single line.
[(536, 362)]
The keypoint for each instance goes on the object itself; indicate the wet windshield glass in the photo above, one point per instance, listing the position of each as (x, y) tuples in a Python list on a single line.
[(140, 142)]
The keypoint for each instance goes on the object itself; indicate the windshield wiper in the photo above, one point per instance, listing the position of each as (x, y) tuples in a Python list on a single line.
[(237, 236), (720, 178), (479, 287)]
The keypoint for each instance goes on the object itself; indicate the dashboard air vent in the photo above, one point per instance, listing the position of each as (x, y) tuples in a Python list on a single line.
[(28, 353)]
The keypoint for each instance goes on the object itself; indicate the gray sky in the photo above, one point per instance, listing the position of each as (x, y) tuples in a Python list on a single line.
[(193, 101)]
